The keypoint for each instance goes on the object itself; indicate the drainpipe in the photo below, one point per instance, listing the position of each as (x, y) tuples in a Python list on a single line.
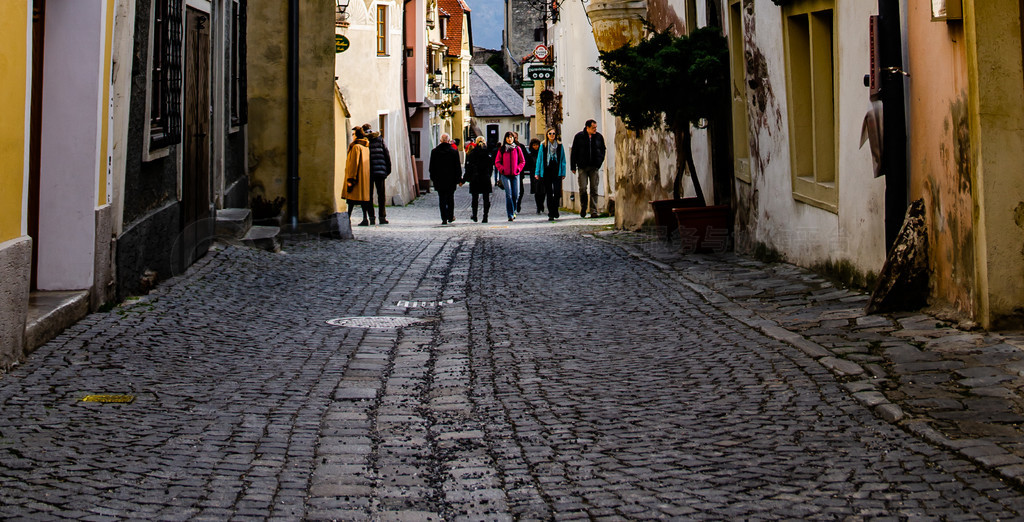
[(293, 113)]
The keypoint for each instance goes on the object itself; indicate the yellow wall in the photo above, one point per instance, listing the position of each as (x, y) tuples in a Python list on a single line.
[(268, 104), (940, 166), (14, 62), (996, 104), (108, 44)]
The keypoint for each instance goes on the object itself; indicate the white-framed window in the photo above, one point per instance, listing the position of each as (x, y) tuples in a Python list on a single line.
[(382, 30)]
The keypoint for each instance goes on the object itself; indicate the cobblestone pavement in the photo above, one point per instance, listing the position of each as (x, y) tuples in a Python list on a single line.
[(551, 375)]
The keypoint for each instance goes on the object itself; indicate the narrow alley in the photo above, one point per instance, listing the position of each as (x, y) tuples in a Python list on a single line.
[(503, 371)]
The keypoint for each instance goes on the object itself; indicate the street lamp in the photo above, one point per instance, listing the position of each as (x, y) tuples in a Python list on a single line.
[(340, 7)]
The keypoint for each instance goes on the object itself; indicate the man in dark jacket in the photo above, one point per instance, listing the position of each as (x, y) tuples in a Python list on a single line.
[(380, 168), (445, 173), (587, 156)]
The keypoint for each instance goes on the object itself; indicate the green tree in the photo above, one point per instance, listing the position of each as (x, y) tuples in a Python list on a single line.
[(671, 81)]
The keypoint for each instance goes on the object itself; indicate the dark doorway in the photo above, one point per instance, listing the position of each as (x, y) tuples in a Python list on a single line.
[(894, 127), (492, 136), (35, 130), (197, 227)]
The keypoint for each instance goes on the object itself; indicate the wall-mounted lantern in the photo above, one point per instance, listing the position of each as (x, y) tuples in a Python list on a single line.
[(341, 12)]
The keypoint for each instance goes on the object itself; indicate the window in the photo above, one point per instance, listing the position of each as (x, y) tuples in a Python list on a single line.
[(538, 34), (414, 143), (382, 30), (165, 74), (808, 27), (239, 107), (444, 27), (740, 124)]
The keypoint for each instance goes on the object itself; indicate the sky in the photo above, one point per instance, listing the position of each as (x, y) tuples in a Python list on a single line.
[(488, 21)]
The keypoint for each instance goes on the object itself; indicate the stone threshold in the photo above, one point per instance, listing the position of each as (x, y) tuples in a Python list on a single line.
[(50, 313)]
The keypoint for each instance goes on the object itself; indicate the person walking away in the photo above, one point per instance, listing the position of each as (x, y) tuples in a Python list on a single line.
[(587, 156), (550, 170), (445, 173), (527, 171), (536, 185), (357, 176), (478, 175), (509, 161), (380, 168)]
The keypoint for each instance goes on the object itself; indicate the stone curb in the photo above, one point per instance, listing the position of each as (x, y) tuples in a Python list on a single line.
[(987, 455)]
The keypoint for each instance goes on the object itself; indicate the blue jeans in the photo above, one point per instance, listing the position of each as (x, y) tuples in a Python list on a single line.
[(511, 185)]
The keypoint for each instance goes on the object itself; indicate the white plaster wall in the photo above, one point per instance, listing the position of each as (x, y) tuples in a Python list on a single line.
[(584, 93), (372, 85), (805, 234), (70, 156)]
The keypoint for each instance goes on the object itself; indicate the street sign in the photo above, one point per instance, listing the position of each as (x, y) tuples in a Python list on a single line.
[(340, 43), (541, 51), (540, 72), (526, 84)]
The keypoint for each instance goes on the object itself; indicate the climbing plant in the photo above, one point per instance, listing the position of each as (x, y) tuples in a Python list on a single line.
[(674, 82)]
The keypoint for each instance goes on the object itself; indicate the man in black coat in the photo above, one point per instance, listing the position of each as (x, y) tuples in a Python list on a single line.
[(380, 168), (587, 156), (445, 173)]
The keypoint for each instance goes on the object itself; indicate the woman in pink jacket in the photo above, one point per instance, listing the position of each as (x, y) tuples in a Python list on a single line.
[(510, 162)]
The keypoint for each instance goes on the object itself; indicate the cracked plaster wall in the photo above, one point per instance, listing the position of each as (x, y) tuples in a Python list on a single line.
[(767, 213)]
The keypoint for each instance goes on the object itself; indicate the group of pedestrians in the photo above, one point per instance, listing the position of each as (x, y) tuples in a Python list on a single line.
[(366, 169), (544, 162), (369, 163)]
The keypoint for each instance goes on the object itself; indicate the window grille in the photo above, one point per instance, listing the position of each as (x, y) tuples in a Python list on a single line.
[(165, 86)]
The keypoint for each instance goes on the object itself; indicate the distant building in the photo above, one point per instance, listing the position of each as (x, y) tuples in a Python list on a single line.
[(496, 106)]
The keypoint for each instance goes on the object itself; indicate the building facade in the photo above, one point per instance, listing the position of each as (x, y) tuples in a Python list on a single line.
[(184, 141), (370, 79)]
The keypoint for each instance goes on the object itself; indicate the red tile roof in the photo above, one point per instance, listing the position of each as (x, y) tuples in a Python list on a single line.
[(454, 8)]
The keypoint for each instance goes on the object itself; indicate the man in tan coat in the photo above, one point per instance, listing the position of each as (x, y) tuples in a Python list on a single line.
[(357, 176)]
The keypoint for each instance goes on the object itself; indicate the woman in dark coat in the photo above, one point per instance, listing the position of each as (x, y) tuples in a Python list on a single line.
[(478, 174)]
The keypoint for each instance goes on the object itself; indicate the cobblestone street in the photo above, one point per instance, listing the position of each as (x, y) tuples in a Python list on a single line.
[(552, 371)]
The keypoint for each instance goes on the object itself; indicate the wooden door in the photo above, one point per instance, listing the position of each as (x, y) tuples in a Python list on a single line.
[(195, 191)]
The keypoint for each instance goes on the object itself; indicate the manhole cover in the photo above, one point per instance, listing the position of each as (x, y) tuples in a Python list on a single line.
[(376, 322), (108, 398)]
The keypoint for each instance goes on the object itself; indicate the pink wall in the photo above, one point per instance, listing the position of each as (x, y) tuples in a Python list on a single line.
[(939, 156)]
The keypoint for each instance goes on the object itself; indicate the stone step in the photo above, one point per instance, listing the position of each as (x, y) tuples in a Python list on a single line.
[(264, 238), (233, 222), (50, 313)]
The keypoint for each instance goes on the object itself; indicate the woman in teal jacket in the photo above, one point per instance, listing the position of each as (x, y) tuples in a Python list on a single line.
[(550, 169)]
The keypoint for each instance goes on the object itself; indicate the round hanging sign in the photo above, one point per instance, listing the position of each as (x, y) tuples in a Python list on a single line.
[(541, 52)]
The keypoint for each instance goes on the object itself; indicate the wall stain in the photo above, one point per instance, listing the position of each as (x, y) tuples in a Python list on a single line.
[(763, 109)]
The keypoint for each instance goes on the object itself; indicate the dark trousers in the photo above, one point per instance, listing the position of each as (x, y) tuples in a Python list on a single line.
[(553, 189), (446, 200), (365, 205), (537, 187), (378, 184), (486, 196)]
